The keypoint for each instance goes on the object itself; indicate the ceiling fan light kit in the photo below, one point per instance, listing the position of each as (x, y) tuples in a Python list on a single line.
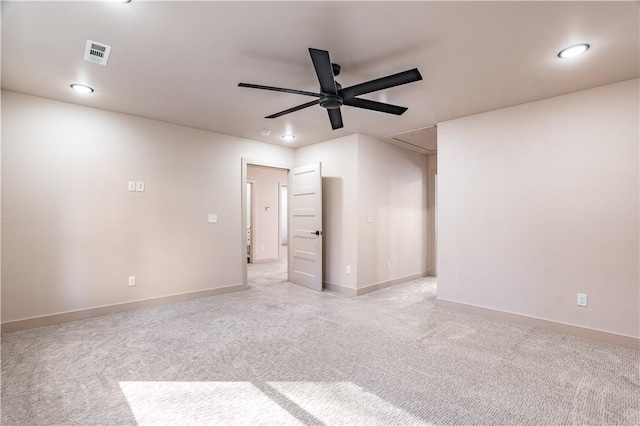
[(332, 96)]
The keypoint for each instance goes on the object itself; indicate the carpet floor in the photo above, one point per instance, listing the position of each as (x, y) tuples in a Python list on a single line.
[(281, 354)]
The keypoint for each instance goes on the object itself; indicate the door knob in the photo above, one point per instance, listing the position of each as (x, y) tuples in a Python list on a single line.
[(316, 232)]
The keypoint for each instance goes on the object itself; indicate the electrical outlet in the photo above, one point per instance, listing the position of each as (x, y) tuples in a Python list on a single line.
[(131, 186), (132, 280), (140, 186), (348, 269), (388, 264), (582, 299)]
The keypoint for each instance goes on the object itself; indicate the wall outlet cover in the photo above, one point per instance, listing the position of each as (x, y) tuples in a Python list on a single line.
[(582, 299), (131, 186), (140, 186)]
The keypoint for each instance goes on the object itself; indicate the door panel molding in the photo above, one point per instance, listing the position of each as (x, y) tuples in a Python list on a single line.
[(305, 226)]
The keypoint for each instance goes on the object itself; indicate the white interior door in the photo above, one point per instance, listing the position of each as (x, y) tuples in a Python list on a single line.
[(305, 226)]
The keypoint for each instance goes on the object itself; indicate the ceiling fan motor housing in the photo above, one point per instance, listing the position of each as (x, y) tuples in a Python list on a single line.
[(328, 100), (331, 101)]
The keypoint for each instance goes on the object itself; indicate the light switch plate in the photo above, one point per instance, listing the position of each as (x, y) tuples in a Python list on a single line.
[(132, 186), (140, 186), (213, 218), (369, 218)]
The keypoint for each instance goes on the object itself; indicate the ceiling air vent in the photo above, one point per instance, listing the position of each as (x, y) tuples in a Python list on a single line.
[(97, 53)]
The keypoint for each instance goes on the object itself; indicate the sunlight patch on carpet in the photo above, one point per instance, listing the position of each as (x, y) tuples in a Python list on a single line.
[(179, 403), (235, 403), (344, 403)]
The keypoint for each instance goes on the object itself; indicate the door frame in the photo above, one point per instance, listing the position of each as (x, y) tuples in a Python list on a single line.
[(243, 208), (280, 186), (252, 245)]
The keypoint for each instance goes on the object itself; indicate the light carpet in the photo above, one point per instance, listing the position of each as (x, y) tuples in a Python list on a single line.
[(281, 354)]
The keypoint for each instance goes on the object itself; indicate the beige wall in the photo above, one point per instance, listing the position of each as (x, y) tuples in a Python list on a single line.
[(72, 233), (75, 233), (540, 202), (432, 215), (340, 206), (392, 212), (362, 177), (266, 194)]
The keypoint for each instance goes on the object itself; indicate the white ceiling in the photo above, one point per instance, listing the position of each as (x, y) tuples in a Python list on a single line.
[(421, 140), (181, 62)]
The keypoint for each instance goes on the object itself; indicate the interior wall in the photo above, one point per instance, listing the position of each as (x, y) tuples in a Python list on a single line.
[(71, 231), (540, 202), (266, 218), (392, 212), (432, 215), (339, 158)]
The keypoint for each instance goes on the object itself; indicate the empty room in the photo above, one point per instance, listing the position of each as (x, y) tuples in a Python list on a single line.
[(320, 213)]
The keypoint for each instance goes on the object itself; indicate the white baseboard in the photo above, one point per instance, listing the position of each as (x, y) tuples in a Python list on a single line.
[(389, 283), (265, 260), (23, 324), (347, 291), (560, 327)]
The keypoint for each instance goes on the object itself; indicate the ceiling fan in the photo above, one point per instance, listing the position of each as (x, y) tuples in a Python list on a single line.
[(332, 96)]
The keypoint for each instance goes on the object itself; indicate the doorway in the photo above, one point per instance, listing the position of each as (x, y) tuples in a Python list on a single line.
[(301, 205), (263, 210)]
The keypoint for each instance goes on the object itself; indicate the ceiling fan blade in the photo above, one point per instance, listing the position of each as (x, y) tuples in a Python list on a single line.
[(335, 116), (324, 71), (296, 108), (381, 83), (375, 106), (279, 89)]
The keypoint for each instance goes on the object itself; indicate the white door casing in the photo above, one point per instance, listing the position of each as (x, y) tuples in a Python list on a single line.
[(305, 226), (250, 230)]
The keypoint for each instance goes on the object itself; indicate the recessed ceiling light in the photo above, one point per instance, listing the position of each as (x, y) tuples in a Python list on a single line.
[(574, 50), (288, 138), (265, 132), (81, 88)]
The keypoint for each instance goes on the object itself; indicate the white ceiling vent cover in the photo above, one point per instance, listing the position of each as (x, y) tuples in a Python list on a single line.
[(97, 53)]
